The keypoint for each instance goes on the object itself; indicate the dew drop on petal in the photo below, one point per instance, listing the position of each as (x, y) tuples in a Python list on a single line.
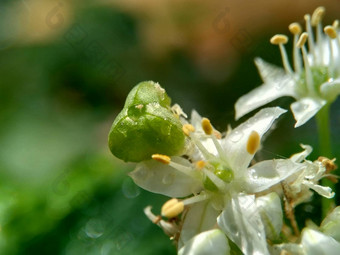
[(253, 174), (141, 173), (130, 189), (236, 136), (94, 228), (168, 179)]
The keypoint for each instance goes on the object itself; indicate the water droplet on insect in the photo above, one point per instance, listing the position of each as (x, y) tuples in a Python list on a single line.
[(168, 179), (130, 189), (236, 136), (94, 228)]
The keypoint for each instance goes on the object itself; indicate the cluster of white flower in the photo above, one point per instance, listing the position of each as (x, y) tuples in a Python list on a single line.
[(221, 201)]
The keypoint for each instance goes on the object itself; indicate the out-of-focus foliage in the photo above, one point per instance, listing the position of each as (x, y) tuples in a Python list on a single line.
[(65, 70)]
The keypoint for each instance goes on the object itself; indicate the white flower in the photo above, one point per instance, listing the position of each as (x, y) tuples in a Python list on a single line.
[(216, 171), (313, 85), (313, 242), (299, 184)]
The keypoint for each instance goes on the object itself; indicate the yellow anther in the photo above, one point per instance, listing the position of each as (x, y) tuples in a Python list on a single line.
[(187, 129), (330, 31), (140, 106), (161, 158), (317, 15), (295, 28), (279, 39), (217, 134), (207, 127), (302, 40), (253, 142), (328, 163), (200, 164), (335, 24), (172, 208)]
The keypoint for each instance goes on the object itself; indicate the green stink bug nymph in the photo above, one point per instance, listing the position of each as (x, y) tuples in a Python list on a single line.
[(146, 125)]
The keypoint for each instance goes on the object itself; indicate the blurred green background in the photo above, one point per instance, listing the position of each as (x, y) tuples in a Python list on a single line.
[(66, 68)]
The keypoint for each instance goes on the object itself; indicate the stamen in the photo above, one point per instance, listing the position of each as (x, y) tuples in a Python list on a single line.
[(184, 169), (201, 147), (207, 127), (296, 30), (331, 32), (172, 208), (310, 35), (161, 158), (335, 24), (281, 40), (200, 164), (195, 199), (316, 21), (253, 142), (169, 228), (318, 15), (309, 76), (187, 129)]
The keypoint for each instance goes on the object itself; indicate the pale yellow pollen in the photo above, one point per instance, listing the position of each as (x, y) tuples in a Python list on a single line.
[(140, 106), (172, 208), (335, 24), (295, 28), (302, 40), (207, 127), (187, 129), (279, 39), (200, 164), (328, 163), (161, 158), (317, 15), (330, 31), (253, 142), (217, 134)]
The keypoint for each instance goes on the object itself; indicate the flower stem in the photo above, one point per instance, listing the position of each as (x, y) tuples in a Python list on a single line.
[(323, 123)]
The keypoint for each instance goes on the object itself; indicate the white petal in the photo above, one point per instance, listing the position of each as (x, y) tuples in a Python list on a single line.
[(267, 71), (275, 86), (299, 157), (317, 243), (241, 222), (163, 179), (235, 144), (270, 210), (331, 89), (305, 108), (200, 217), (207, 243), (331, 224), (265, 174), (323, 191)]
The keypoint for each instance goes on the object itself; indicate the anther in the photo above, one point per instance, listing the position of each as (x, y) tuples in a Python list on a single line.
[(279, 39), (253, 142), (330, 31), (207, 127), (161, 158), (200, 164), (172, 208), (302, 40), (187, 129), (317, 15), (295, 28), (335, 24)]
